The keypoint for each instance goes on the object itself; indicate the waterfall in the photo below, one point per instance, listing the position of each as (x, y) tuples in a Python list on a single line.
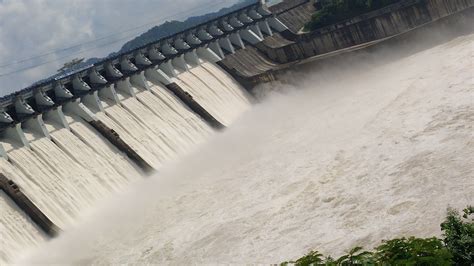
[(108, 178), (225, 100), (134, 140), (55, 194), (225, 78), (68, 165), (136, 114), (104, 150), (175, 117), (16, 231), (155, 123), (355, 154)]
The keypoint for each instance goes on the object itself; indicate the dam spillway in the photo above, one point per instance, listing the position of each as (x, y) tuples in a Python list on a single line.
[(70, 141), (66, 165)]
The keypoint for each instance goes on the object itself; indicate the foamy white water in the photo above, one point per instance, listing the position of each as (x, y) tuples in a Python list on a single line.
[(104, 149), (133, 141), (139, 131), (155, 124), (66, 174), (62, 176), (364, 151), (210, 87), (181, 133), (108, 179), (53, 190), (16, 231)]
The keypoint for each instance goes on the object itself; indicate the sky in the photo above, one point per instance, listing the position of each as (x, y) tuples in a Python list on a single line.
[(50, 32)]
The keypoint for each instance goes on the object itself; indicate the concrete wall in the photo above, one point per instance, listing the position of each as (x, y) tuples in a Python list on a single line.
[(265, 61), (294, 14), (383, 23)]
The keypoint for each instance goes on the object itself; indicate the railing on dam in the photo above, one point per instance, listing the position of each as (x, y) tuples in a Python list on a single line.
[(158, 60)]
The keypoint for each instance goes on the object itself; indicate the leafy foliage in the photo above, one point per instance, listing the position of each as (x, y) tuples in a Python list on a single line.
[(312, 258), (334, 11), (356, 256), (457, 248), (413, 251), (458, 233)]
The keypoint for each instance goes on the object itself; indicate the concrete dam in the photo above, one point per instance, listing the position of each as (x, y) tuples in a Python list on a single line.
[(68, 142)]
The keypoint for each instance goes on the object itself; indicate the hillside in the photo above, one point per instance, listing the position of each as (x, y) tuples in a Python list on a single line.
[(169, 28)]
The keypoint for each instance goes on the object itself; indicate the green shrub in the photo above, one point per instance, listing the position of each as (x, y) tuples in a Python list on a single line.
[(356, 257), (456, 248), (312, 258), (413, 251), (458, 233)]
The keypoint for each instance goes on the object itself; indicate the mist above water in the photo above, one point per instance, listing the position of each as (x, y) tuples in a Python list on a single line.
[(364, 148)]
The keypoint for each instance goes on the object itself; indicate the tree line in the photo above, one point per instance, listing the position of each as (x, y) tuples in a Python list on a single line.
[(456, 247), (333, 11)]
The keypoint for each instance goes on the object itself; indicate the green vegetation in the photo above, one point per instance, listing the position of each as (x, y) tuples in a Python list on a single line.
[(333, 11), (458, 234), (413, 251), (456, 248)]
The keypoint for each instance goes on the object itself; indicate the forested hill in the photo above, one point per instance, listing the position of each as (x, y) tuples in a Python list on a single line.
[(155, 33), (166, 29), (172, 27)]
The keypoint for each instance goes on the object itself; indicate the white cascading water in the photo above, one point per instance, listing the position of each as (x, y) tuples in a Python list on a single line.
[(159, 140), (368, 148), (223, 99), (17, 231), (56, 197), (108, 178), (54, 191), (225, 78), (155, 124), (104, 149), (109, 154), (140, 132), (138, 141), (174, 117), (66, 174)]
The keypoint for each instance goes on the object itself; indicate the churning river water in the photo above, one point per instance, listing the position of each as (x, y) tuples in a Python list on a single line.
[(360, 150)]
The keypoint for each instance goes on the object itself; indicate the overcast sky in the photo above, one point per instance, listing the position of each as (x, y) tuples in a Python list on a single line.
[(29, 28)]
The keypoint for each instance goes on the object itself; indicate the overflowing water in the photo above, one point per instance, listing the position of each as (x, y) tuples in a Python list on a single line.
[(210, 86), (366, 148), (74, 167), (17, 231), (108, 155)]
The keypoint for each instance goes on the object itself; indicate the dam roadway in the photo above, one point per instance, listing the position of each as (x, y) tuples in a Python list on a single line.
[(73, 140)]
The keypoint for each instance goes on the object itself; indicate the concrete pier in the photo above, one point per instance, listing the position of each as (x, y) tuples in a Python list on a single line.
[(28, 207), (187, 99), (117, 141)]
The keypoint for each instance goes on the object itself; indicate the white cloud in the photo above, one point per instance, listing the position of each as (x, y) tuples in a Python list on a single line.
[(33, 27)]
